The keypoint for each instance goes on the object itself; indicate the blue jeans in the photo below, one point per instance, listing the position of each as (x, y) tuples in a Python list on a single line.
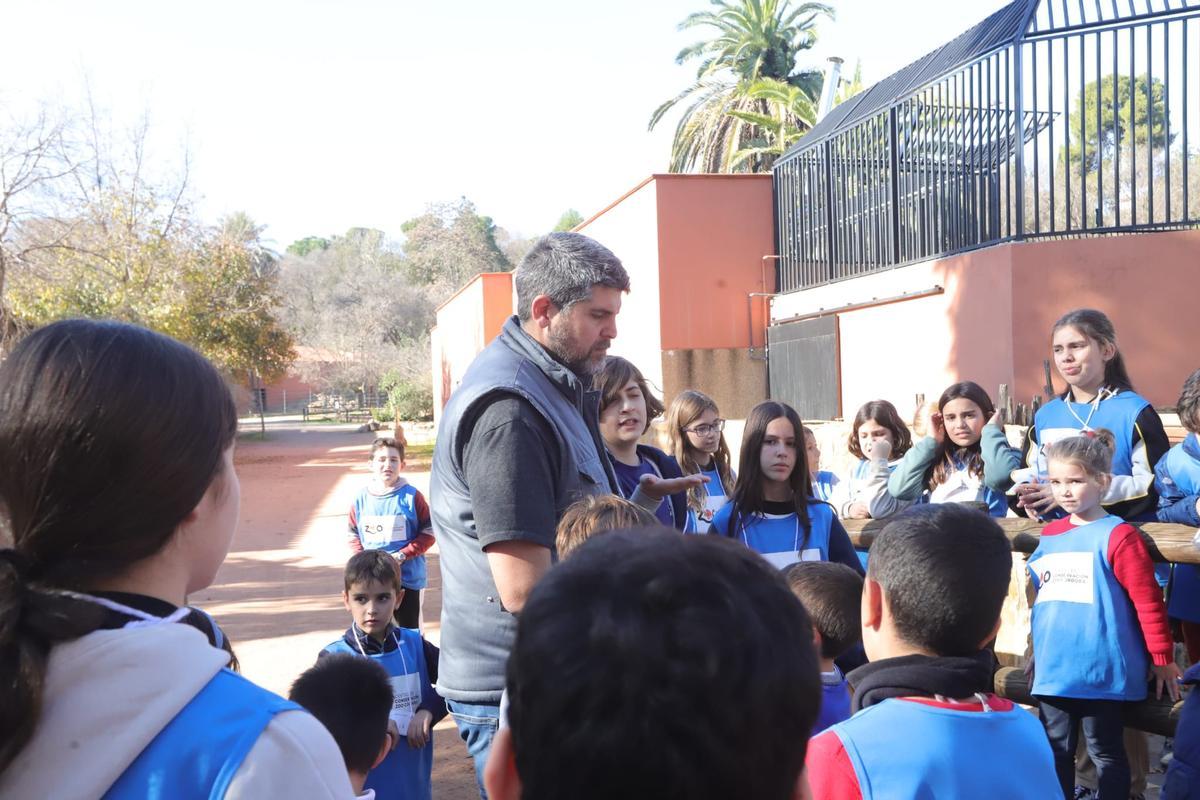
[(1103, 731), (477, 725)]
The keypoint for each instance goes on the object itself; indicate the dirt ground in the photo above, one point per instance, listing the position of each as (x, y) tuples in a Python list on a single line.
[(278, 594)]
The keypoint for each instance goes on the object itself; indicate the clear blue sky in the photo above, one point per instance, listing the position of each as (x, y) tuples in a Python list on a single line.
[(314, 115)]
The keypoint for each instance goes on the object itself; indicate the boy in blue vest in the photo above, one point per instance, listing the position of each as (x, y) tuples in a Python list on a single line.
[(831, 593), (372, 592), (351, 697), (925, 721), (654, 666), (1177, 482), (390, 514)]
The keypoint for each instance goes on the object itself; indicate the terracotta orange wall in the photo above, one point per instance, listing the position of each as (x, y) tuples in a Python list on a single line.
[(1148, 285), (466, 323), (713, 231)]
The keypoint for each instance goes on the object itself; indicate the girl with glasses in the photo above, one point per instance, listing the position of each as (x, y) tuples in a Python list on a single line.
[(695, 430)]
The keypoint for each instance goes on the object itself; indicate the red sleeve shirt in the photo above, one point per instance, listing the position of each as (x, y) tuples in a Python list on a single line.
[(424, 539), (1134, 570)]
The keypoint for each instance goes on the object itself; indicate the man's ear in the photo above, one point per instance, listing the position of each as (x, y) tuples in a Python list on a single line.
[(872, 604), (541, 310), (500, 777)]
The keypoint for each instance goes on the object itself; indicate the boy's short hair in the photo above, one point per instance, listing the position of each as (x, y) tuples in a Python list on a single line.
[(352, 697), (372, 565), (387, 441), (653, 665), (831, 593), (1188, 407), (596, 514), (944, 570)]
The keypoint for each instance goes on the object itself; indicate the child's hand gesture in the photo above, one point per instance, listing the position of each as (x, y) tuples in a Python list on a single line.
[(1168, 676), (420, 729), (657, 488), (937, 427), (997, 419), (858, 511)]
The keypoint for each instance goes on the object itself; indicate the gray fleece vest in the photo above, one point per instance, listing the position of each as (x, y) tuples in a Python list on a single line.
[(477, 634)]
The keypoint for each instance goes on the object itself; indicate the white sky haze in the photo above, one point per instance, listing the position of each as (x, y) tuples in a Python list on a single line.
[(315, 116)]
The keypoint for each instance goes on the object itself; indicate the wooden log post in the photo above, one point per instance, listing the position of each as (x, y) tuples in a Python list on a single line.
[(1151, 715)]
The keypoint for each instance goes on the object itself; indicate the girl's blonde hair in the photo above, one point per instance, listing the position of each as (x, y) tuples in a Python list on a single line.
[(1091, 450), (686, 408)]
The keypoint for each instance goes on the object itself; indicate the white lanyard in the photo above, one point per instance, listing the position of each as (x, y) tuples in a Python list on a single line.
[(1100, 396), (141, 618), (746, 539), (399, 649)]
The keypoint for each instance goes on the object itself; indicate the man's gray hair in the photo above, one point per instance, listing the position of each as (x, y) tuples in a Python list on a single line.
[(565, 267)]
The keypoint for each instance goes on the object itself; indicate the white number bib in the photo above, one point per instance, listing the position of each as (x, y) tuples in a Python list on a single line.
[(406, 697), (788, 557), (380, 531), (1065, 577)]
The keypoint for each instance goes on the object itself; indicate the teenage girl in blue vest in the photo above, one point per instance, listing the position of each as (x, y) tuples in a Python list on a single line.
[(773, 511), (1099, 395), (695, 431), (118, 498), (627, 406), (964, 459), (1097, 612)]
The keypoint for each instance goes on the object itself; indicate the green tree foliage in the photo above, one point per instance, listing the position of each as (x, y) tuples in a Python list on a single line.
[(789, 113), (753, 40), (1138, 115), (302, 247), (569, 219), (449, 244)]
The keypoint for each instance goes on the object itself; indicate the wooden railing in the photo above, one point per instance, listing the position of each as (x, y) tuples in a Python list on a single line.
[(1168, 543)]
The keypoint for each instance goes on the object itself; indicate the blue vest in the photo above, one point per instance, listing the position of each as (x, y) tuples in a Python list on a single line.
[(717, 497), (389, 522), (1086, 640), (1183, 774), (775, 536), (406, 773), (824, 482), (1118, 414), (899, 748), (199, 751), (835, 701), (1185, 582)]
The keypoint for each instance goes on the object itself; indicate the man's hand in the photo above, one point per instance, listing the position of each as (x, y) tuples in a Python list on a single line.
[(420, 729), (656, 488), (1035, 498)]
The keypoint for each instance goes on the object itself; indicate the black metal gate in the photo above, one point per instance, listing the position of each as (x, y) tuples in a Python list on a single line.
[(803, 368)]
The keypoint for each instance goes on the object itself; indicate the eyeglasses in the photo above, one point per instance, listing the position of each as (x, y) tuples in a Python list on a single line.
[(707, 430)]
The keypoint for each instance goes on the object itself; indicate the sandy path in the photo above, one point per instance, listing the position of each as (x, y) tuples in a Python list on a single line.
[(278, 594)]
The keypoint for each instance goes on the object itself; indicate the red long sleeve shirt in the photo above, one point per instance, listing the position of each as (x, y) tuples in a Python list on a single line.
[(1134, 570), (420, 543)]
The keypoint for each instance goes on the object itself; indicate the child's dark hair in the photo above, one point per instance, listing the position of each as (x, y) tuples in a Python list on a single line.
[(1096, 326), (1091, 451), (748, 496), (372, 565), (387, 441), (630, 640), (612, 377), (943, 466), (885, 414), (352, 697), (111, 435), (831, 593), (1188, 406), (596, 514), (944, 569)]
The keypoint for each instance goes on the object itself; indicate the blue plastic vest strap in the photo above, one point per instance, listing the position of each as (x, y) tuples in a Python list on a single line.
[(946, 753), (199, 751), (1086, 639), (406, 773), (389, 522), (1185, 582)]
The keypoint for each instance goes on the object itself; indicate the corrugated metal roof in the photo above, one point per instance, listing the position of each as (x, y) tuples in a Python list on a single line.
[(1002, 27)]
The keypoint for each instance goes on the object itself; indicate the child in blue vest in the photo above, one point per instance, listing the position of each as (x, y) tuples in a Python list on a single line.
[(832, 596), (925, 722), (773, 511), (1097, 612), (964, 459), (826, 485), (352, 698), (695, 431), (373, 590), (1099, 395), (1177, 482), (878, 440), (390, 514), (627, 407), (118, 498)]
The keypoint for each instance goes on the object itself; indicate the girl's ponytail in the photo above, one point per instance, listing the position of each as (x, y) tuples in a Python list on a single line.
[(31, 622)]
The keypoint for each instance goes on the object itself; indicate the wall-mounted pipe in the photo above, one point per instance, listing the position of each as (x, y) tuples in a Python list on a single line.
[(872, 303), (750, 309)]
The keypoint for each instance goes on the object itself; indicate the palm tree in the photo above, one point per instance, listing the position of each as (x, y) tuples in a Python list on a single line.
[(790, 112), (755, 39)]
